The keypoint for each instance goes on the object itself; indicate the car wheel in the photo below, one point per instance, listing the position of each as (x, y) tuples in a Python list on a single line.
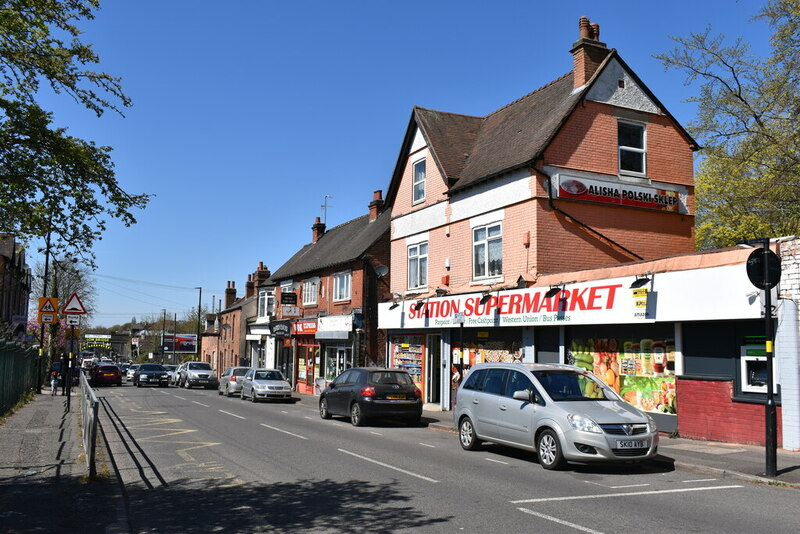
[(253, 397), (323, 409), (466, 435), (187, 385), (242, 395), (549, 450), (227, 391), (356, 417)]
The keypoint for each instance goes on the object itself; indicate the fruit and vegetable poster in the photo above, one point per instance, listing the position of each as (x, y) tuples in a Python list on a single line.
[(642, 371)]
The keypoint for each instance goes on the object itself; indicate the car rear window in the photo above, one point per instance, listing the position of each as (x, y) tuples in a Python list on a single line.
[(241, 371), (151, 367), (389, 377), (201, 366)]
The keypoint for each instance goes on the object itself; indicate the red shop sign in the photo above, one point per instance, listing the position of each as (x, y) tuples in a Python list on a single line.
[(304, 327)]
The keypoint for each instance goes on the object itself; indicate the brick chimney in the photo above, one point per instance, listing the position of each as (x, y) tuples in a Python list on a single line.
[(317, 230), (230, 294), (587, 52), (249, 287), (376, 205), (261, 275)]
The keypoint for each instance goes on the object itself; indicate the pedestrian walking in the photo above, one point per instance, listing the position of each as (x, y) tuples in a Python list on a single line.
[(53, 382)]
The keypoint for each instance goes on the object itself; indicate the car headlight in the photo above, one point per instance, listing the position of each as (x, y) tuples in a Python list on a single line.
[(651, 424), (583, 424)]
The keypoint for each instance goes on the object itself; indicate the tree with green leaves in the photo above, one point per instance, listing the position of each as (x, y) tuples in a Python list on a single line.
[(748, 179), (55, 184)]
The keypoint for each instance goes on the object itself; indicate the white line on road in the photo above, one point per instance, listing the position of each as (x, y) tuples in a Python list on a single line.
[(201, 404), (631, 494), (181, 398), (701, 480), (496, 461), (284, 431), (163, 392), (376, 433), (427, 445), (308, 417), (284, 411), (233, 414), (616, 487), (559, 521), (387, 466)]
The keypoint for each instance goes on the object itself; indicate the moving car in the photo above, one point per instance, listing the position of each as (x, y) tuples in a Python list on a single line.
[(151, 373), (230, 382), (171, 368), (561, 412), (105, 373), (265, 384), (192, 374), (130, 372), (363, 393)]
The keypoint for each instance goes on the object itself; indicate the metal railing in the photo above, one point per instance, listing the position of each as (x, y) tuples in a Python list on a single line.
[(89, 405), (17, 373)]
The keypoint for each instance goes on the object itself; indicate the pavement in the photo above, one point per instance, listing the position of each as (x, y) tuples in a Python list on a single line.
[(45, 487)]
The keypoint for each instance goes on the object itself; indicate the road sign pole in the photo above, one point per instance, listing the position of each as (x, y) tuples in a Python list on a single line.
[(771, 412)]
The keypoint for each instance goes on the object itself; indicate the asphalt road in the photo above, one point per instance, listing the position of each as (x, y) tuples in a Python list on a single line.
[(193, 461)]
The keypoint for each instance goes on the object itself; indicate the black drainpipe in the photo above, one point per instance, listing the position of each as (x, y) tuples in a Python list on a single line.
[(576, 221)]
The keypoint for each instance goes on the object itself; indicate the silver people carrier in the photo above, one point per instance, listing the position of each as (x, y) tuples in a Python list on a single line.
[(562, 412)]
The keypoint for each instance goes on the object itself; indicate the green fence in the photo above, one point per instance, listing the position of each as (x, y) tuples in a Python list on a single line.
[(17, 373)]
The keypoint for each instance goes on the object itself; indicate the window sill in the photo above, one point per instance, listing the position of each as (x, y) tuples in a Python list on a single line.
[(488, 281)]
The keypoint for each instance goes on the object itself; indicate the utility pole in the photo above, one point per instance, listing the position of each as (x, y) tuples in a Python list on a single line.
[(163, 331), (174, 335), (197, 341)]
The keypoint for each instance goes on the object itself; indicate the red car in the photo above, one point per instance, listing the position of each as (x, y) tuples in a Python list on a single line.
[(106, 373)]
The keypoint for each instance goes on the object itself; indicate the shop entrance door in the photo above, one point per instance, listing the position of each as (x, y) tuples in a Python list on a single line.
[(286, 364), (337, 359), (433, 364)]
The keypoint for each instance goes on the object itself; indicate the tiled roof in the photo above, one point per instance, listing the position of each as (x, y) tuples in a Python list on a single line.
[(337, 246)]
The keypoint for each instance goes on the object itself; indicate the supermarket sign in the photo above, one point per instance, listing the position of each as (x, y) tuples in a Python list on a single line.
[(694, 295), (622, 194)]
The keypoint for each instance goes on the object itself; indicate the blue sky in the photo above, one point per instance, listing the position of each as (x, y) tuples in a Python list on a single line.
[(247, 113)]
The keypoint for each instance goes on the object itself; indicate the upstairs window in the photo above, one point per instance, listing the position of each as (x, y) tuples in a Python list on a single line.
[(631, 147), (341, 286), (310, 290), (487, 251), (266, 302), (418, 266), (418, 186)]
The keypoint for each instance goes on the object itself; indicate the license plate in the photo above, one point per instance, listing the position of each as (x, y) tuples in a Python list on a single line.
[(108, 374), (396, 397), (632, 444), (203, 381)]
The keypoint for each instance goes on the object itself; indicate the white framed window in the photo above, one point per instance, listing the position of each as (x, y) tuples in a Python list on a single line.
[(487, 251), (266, 302), (310, 291), (418, 184), (632, 151), (341, 286), (418, 266)]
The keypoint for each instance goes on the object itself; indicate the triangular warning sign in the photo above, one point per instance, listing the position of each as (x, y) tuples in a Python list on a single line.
[(74, 305), (46, 305)]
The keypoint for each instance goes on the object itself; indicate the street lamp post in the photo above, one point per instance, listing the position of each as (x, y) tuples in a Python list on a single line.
[(163, 331), (199, 302)]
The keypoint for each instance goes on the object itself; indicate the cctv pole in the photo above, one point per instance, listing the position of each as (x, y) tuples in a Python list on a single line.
[(771, 411)]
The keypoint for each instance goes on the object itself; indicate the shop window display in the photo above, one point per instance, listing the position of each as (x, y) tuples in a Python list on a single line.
[(641, 371)]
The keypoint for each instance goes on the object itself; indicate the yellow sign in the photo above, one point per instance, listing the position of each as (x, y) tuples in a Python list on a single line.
[(48, 305), (639, 293), (641, 304)]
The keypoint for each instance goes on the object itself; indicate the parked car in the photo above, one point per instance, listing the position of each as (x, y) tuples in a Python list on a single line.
[(130, 372), (123, 367), (171, 369), (260, 384), (151, 373), (363, 393), (230, 382), (105, 373), (197, 374), (561, 412)]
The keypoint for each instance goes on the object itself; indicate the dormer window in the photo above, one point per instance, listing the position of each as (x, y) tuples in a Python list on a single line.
[(632, 151), (418, 186)]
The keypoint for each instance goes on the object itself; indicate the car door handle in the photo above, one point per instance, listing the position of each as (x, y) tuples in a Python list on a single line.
[(503, 407), (475, 401)]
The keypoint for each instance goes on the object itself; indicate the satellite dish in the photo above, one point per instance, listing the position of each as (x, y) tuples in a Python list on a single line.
[(381, 270)]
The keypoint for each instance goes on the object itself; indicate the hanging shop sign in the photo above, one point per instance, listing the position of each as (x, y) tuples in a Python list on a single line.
[(281, 329), (720, 293), (622, 194)]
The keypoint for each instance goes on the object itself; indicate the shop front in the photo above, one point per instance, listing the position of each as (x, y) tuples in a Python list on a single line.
[(307, 351), (337, 337), (661, 342), (281, 332)]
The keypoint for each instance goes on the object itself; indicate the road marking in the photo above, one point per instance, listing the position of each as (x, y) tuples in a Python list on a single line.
[(496, 461), (201, 404), (376, 433), (284, 431), (284, 411), (233, 414), (163, 392), (559, 521), (701, 480), (427, 445), (388, 466), (631, 494), (181, 398), (308, 417), (616, 487)]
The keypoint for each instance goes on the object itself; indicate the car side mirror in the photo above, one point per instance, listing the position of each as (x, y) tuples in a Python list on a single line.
[(524, 395)]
